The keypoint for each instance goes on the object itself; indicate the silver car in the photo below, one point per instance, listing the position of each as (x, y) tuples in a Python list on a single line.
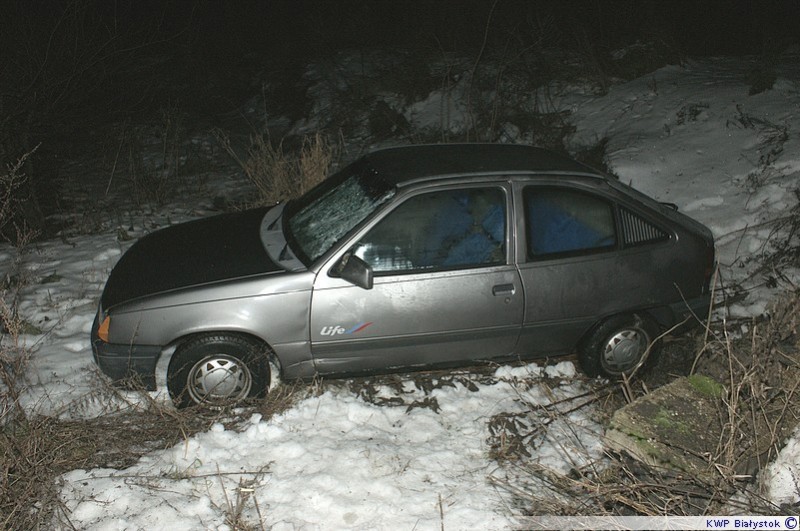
[(411, 257)]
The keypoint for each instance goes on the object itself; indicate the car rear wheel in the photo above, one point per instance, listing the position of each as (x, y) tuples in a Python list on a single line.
[(619, 346), (218, 370)]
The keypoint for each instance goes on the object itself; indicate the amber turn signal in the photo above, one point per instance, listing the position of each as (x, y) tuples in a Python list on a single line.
[(102, 330)]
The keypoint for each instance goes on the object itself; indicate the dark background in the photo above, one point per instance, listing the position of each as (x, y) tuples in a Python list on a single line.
[(117, 52), (69, 67)]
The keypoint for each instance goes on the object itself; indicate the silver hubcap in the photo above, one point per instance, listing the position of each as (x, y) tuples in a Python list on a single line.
[(624, 350), (219, 379)]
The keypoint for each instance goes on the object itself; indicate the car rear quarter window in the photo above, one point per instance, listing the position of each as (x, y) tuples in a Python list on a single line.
[(442, 230), (638, 231), (564, 221)]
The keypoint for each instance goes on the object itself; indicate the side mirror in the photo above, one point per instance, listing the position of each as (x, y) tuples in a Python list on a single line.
[(355, 270)]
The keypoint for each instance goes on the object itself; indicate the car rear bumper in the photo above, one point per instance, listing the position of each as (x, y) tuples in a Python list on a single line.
[(691, 312), (131, 366)]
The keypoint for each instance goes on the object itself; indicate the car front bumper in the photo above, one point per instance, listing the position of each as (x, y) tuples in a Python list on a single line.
[(131, 366)]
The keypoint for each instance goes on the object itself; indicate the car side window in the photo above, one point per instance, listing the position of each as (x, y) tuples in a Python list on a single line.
[(450, 229), (566, 221)]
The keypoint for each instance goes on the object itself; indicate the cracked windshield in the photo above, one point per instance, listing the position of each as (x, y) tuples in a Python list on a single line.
[(335, 211)]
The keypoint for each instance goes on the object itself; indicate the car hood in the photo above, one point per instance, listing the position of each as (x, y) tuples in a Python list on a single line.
[(218, 248)]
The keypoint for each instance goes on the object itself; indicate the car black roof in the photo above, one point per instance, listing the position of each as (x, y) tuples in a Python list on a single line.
[(400, 165)]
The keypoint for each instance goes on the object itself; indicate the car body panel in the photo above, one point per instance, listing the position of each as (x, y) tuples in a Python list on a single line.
[(417, 319), (618, 280), (256, 282), (276, 304), (189, 254)]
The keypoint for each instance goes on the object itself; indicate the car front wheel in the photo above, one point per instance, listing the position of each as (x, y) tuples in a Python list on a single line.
[(218, 370), (619, 346)]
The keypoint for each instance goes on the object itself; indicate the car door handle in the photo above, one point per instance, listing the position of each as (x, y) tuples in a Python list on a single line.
[(503, 289)]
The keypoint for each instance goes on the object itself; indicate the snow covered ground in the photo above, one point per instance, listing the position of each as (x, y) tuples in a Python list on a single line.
[(690, 135), (337, 461), (694, 137)]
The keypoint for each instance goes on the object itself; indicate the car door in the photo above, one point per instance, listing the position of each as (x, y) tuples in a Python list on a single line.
[(569, 264), (444, 291)]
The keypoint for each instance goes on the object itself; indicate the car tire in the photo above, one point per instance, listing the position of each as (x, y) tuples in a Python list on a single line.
[(218, 370), (619, 346)]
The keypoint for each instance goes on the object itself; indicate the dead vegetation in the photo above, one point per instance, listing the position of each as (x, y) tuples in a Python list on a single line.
[(279, 174), (37, 449), (16, 203), (759, 373)]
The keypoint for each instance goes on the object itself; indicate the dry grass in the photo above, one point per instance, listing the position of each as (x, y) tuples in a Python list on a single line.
[(14, 351), (278, 175), (14, 357), (761, 374), (37, 449), (624, 487)]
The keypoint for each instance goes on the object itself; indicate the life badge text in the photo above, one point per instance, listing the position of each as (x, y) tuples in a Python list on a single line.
[(337, 330)]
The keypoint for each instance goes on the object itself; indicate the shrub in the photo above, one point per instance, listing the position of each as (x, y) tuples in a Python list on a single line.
[(14, 358), (16, 204)]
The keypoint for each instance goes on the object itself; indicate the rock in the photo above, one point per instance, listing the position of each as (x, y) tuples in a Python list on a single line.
[(676, 426)]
